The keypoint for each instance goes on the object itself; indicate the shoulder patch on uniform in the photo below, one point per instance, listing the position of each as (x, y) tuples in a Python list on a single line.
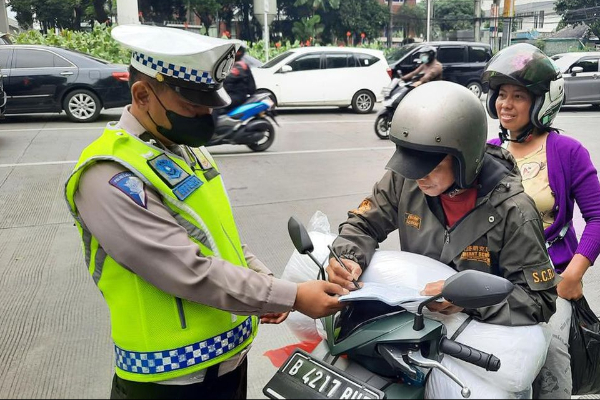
[(132, 186)]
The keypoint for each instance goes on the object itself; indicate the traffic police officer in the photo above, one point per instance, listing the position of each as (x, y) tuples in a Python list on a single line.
[(456, 200), (159, 236)]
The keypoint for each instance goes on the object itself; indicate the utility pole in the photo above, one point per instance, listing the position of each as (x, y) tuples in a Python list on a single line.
[(508, 14), (390, 24), (4, 28), (429, 20), (127, 12), (477, 20)]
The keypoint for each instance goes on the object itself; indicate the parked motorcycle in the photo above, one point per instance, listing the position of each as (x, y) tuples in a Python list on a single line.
[(251, 124), (373, 350), (392, 96)]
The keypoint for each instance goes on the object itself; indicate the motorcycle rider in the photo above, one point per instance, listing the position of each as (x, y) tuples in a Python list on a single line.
[(239, 84), (430, 67), (457, 200)]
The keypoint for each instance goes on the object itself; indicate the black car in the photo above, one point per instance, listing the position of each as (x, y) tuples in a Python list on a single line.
[(41, 79), (463, 62)]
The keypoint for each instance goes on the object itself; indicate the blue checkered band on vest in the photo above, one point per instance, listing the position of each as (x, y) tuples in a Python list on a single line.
[(193, 354), (176, 71)]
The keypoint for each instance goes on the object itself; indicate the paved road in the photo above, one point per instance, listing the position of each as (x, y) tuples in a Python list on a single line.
[(54, 329)]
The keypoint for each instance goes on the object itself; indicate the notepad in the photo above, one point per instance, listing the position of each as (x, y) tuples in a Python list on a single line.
[(393, 295)]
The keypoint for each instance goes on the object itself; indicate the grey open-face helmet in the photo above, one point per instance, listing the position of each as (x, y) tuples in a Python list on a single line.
[(434, 120)]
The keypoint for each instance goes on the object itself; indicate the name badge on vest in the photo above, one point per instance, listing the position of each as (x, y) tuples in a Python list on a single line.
[(208, 170)]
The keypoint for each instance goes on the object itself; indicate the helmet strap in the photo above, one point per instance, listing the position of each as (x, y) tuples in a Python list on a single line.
[(524, 136)]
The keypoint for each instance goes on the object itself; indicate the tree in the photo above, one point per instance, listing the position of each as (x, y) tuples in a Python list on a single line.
[(49, 13), (357, 16), (411, 19), (453, 15), (325, 5), (308, 29), (574, 12)]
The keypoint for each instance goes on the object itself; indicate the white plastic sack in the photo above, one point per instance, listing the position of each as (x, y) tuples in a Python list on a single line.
[(522, 350), (300, 268)]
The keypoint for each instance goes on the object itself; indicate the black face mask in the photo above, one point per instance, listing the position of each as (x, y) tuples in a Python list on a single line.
[(189, 131)]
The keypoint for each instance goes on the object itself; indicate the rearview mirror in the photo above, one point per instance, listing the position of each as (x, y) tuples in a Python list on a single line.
[(469, 289), (474, 289), (576, 70), (286, 68), (299, 236)]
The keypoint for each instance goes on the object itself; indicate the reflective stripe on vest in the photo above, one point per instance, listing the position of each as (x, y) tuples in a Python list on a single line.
[(193, 354)]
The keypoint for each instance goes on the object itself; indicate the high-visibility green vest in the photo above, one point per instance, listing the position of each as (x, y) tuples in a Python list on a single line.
[(158, 336)]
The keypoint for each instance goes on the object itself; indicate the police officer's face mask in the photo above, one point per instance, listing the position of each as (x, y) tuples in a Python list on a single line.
[(189, 131)]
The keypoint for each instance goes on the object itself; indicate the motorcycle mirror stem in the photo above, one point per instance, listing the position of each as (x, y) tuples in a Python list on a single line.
[(303, 243)]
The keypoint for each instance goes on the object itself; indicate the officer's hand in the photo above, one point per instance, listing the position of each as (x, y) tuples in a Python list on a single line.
[(338, 274), (318, 299), (417, 84), (274, 318), (444, 307)]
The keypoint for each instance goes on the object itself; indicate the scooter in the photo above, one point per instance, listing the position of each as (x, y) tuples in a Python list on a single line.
[(392, 96), (373, 350), (251, 124)]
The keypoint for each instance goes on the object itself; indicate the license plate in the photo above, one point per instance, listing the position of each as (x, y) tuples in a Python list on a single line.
[(303, 377)]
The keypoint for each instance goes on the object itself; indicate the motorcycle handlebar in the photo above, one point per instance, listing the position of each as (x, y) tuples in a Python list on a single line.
[(469, 354)]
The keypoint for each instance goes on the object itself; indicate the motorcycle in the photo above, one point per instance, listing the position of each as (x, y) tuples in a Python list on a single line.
[(392, 96), (373, 350), (251, 124)]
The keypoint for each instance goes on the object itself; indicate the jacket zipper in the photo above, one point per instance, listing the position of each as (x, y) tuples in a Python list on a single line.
[(181, 313)]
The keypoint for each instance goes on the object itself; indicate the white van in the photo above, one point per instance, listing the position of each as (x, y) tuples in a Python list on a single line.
[(325, 76)]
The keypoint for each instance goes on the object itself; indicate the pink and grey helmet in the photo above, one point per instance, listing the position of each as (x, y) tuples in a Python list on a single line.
[(526, 65)]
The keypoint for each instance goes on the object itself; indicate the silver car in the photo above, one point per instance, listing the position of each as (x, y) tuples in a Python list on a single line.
[(582, 77)]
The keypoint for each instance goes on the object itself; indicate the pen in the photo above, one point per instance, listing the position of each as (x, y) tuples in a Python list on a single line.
[(343, 265)]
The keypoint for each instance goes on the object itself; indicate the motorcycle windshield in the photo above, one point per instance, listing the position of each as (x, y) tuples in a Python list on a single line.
[(360, 313)]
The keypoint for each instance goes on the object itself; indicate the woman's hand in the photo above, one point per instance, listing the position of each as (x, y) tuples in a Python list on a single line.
[(571, 285), (444, 307)]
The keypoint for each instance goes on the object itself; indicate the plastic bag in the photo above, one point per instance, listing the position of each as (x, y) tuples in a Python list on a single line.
[(584, 347), (521, 349), (300, 268)]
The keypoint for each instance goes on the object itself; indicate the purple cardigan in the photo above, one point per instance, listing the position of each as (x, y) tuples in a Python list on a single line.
[(572, 177)]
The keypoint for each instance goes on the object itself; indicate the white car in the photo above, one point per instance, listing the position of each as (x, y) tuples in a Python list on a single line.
[(325, 76)]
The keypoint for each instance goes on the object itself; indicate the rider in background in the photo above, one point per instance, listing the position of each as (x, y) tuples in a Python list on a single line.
[(239, 84), (430, 67)]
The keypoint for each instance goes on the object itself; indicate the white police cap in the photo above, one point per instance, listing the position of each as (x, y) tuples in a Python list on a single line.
[(193, 65)]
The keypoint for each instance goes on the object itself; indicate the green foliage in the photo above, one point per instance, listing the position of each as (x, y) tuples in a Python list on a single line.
[(574, 12), (359, 16), (411, 19), (452, 15), (97, 43), (308, 29), (325, 5)]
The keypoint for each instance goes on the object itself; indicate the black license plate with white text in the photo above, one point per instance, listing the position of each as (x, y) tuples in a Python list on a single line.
[(303, 377)]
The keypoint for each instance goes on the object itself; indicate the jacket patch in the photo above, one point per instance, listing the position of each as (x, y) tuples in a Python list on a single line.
[(476, 253), (412, 220), (131, 185), (362, 208), (541, 277)]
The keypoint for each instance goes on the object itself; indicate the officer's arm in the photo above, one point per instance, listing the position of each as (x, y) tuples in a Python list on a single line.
[(524, 261), (371, 222), (149, 242), (254, 263)]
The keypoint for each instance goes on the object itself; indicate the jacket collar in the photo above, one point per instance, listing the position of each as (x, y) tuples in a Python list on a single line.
[(499, 178)]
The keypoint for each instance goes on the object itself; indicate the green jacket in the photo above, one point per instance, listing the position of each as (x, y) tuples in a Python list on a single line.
[(502, 235)]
